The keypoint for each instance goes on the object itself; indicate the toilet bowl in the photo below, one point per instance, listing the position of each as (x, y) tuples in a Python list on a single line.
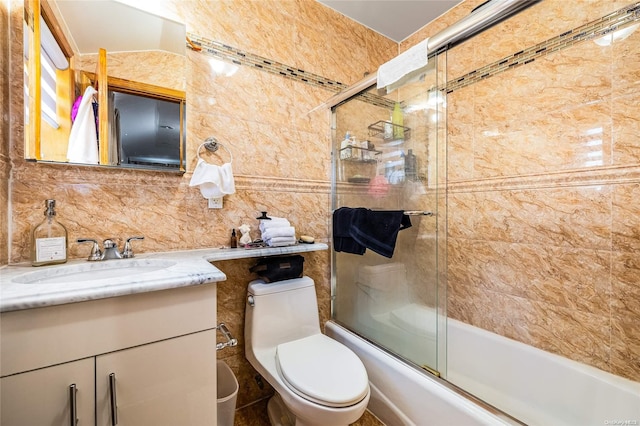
[(320, 381)]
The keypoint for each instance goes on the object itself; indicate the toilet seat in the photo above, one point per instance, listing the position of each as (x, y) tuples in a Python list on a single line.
[(323, 371)]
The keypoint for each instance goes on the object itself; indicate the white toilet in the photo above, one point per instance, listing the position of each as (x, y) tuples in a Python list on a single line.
[(320, 381)]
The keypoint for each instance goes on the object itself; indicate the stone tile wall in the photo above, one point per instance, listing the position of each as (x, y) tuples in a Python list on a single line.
[(543, 179)]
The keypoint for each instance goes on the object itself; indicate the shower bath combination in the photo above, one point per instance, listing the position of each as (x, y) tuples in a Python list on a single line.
[(456, 315)]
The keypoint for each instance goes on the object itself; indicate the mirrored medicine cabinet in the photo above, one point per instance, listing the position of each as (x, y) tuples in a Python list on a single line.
[(136, 62)]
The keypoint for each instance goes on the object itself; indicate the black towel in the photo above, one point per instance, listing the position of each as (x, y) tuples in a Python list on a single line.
[(342, 240), (378, 230), (356, 229)]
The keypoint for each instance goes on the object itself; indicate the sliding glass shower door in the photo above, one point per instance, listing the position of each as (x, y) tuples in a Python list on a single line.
[(387, 158)]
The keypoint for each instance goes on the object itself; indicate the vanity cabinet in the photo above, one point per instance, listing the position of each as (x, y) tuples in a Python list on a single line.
[(156, 350)]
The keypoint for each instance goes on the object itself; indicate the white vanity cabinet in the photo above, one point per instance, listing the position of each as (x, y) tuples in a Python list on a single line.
[(159, 346)]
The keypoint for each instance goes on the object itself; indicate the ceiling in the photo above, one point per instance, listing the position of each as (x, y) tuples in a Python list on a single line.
[(395, 19), (119, 27)]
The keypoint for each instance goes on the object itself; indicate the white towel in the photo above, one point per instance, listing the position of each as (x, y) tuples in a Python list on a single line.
[(283, 231), (214, 181), (278, 240), (281, 242), (83, 142), (404, 64), (275, 222)]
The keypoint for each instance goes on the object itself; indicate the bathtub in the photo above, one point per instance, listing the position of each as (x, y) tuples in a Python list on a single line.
[(557, 391), (401, 395)]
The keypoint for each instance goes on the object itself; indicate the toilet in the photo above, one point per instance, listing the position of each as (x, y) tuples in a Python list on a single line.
[(318, 380)]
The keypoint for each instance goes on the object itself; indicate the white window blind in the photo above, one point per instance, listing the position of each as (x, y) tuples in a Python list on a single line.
[(49, 49), (48, 91)]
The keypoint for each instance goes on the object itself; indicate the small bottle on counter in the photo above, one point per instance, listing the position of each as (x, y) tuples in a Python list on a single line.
[(234, 239), (49, 239)]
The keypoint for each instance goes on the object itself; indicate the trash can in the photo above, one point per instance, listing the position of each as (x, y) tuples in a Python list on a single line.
[(227, 388)]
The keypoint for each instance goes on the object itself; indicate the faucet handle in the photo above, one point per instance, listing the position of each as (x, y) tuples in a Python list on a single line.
[(128, 249), (109, 243), (95, 254)]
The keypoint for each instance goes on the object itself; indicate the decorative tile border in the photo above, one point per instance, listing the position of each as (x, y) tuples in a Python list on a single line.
[(239, 57), (609, 175), (274, 184), (598, 28), (231, 54), (595, 29)]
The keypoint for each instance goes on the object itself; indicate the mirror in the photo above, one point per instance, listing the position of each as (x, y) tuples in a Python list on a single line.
[(149, 130), (138, 57)]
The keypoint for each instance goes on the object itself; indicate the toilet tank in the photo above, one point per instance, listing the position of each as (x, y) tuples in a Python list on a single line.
[(280, 312)]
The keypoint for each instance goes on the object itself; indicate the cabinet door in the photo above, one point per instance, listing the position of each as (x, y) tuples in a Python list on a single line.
[(43, 397), (172, 382)]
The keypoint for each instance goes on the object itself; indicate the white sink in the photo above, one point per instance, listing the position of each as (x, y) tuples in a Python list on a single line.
[(92, 271)]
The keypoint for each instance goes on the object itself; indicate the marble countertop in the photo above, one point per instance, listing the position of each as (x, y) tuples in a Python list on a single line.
[(181, 269)]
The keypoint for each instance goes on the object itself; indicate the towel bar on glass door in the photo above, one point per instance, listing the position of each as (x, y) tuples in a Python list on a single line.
[(418, 213)]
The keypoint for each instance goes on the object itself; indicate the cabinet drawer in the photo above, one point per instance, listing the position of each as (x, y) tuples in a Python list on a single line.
[(42, 397), (167, 383), (41, 337)]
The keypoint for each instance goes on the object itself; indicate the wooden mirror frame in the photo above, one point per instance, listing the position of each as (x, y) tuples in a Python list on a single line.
[(100, 79)]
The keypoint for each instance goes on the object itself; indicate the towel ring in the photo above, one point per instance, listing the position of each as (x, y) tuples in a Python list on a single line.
[(211, 144)]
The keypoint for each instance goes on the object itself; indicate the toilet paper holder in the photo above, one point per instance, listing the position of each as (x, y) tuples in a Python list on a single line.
[(231, 341)]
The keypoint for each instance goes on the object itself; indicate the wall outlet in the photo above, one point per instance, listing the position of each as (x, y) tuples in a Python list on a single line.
[(215, 203)]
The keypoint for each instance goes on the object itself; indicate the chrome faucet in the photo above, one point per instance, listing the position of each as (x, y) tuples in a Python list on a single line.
[(96, 253), (110, 249), (128, 249)]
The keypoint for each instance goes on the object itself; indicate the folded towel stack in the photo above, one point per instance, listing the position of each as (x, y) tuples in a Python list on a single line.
[(277, 232), (275, 222)]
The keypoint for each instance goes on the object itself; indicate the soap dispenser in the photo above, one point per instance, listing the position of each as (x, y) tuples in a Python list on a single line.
[(49, 239)]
